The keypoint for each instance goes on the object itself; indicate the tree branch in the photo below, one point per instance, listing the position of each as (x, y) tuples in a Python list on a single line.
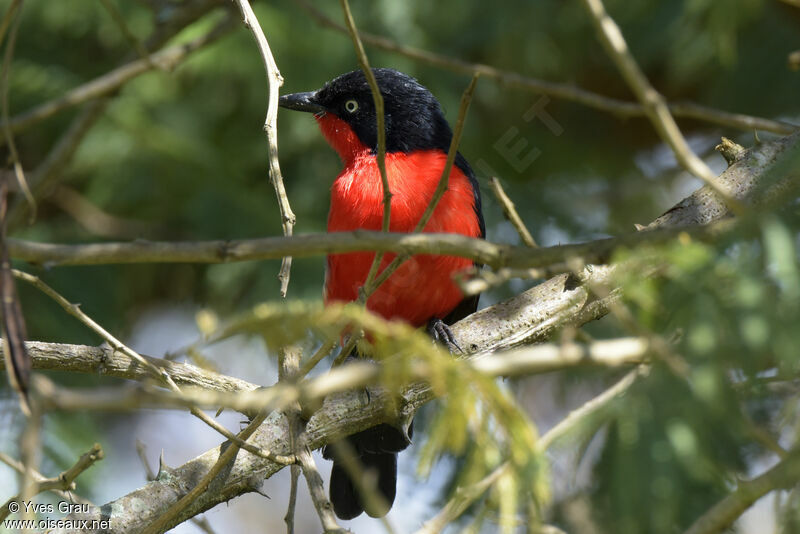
[(106, 361), (523, 361), (305, 245), (702, 208)]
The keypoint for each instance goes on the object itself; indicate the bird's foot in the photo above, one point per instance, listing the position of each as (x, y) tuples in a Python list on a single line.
[(441, 333)]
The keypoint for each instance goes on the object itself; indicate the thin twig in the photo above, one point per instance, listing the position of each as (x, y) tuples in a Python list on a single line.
[(275, 81), (119, 20), (480, 280), (452, 151), (654, 104), (159, 373), (290, 509), (590, 408), (15, 354), (57, 159), (377, 98), (511, 212), (66, 480), (75, 311), (13, 17), (63, 482), (462, 499), (317, 490), (30, 453), (287, 369), (150, 475), (8, 17), (563, 91), (324, 350), (783, 475), (493, 254)]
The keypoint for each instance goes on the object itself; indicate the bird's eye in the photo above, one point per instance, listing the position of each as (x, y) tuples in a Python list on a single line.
[(351, 106)]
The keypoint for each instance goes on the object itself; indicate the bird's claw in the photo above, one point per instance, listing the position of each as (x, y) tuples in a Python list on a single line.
[(441, 333)]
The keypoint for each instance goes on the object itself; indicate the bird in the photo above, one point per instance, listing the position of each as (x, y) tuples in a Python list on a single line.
[(421, 291)]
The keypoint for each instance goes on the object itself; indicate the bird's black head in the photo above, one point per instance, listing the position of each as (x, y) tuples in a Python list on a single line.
[(413, 117)]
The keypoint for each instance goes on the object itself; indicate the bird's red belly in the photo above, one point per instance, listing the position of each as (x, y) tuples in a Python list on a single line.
[(422, 288)]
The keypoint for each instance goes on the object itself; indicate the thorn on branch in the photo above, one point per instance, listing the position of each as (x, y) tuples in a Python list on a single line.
[(163, 469)]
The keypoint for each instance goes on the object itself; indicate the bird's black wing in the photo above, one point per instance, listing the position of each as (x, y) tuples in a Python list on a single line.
[(469, 305)]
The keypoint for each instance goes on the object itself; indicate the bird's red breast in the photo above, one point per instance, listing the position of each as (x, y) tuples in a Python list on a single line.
[(422, 288)]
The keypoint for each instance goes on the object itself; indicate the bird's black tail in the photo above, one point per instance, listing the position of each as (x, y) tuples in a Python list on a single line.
[(376, 449)]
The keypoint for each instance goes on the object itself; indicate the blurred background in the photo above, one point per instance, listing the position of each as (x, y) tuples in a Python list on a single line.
[(180, 155)]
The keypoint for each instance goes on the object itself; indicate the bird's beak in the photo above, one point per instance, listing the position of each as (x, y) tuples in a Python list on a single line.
[(301, 102)]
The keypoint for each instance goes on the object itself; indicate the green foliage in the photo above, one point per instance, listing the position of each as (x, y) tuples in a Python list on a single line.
[(677, 441), (666, 459)]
